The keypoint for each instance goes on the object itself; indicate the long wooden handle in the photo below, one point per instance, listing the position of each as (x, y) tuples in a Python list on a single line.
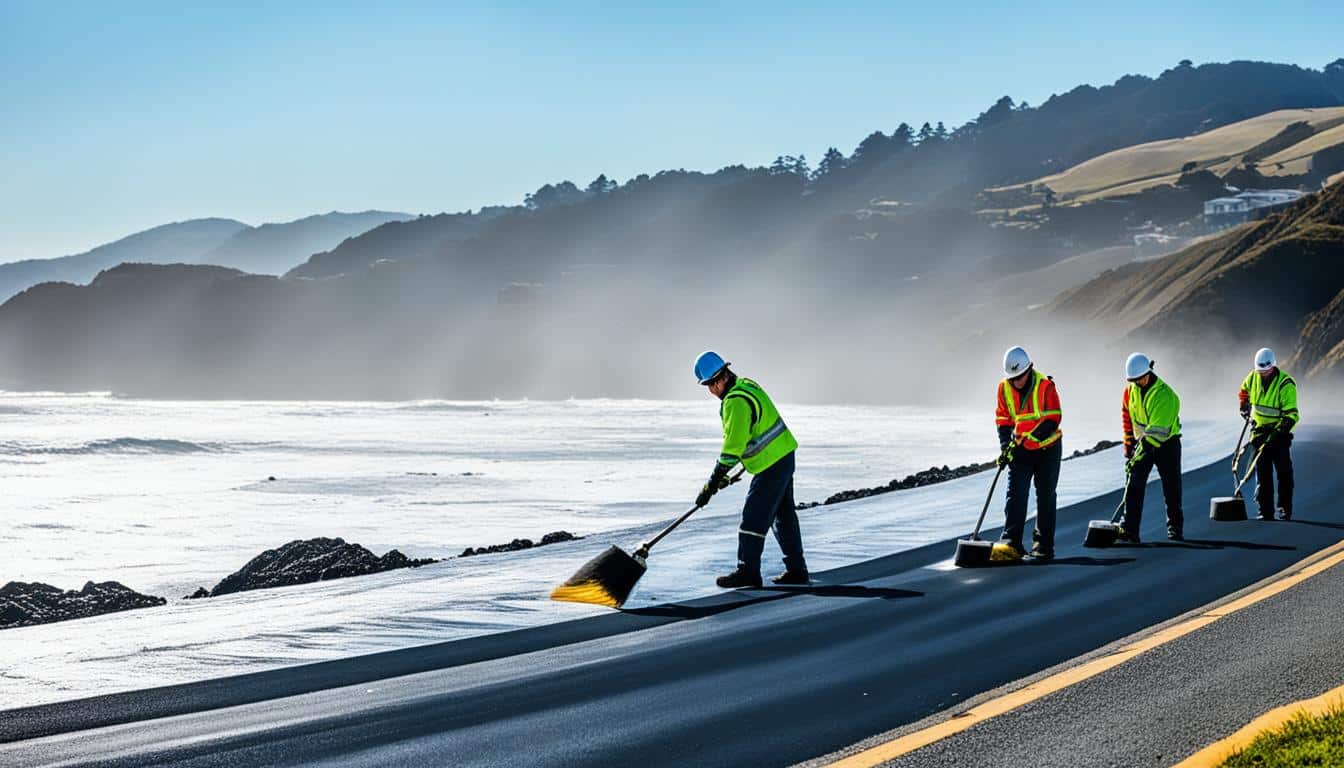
[(975, 535), (1236, 457), (644, 548)]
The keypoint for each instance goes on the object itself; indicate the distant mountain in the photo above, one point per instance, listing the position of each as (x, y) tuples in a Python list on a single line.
[(1278, 281), (181, 241), (272, 249), (607, 288), (399, 240)]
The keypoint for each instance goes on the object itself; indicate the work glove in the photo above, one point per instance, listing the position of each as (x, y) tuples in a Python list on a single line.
[(1129, 449), (1005, 454), (1260, 436), (718, 480), (1246, 410), (1135, 457), (1282, 430)]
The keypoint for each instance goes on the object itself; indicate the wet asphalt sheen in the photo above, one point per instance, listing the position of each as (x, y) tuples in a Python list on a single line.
[(778, 676)]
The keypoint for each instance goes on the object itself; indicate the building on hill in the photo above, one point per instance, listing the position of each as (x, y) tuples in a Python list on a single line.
[(1247, 205)]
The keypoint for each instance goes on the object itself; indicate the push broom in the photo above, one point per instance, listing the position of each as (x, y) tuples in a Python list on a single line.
[(1103, 533), (1227, 509), (609, 578), (976, 551)]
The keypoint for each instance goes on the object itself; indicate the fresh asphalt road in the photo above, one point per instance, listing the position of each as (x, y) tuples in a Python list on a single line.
[(764, 677)]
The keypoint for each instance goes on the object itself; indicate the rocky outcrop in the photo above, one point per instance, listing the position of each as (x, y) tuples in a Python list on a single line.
[(24, 604), (554, 537), (934, 475), (305, 561)]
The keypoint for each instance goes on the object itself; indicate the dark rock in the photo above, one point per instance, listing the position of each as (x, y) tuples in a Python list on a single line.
[(23, 604), (270, 479), (1098, 448), (306, 561), (554, 537), (198, 594), (934, 475)]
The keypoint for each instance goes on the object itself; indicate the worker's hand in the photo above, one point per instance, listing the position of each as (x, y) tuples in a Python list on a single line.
[(1005, 454), (1135, 457), (1129, 449), (1260, 436), (718, 480), (1246, 410), (706, 493)]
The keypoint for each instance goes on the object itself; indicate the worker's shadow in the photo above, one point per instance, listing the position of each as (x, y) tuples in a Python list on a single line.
[(1221, 544), (742, 598), (1318, 524)]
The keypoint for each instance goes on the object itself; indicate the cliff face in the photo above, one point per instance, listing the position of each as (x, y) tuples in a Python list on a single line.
[(1276, 279)]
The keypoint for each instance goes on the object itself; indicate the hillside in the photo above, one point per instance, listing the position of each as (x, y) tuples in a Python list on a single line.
[(1274, 281), (1278, 144), (273, 249), (398, 240), (606, 289), (180, 241)]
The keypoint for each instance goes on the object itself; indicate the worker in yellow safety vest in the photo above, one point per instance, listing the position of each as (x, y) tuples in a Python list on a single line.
[(1269, 397)]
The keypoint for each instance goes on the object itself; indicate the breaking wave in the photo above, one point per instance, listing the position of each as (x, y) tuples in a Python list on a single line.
[(136, 445)]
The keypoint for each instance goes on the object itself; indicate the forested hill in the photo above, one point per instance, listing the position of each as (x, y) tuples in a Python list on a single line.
[(605, 288)]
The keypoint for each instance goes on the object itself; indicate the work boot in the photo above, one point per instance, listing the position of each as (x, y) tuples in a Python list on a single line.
[(740, 578), (1285, 514), (1265, 516), (1041, 554), (1006, 551), (791, 578), (1175, 534), (1124, 535)]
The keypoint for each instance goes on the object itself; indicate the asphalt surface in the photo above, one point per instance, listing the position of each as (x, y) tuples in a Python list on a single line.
[(1172, 701), (759, 677)]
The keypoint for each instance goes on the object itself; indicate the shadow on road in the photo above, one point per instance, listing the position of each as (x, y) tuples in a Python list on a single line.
[(754, 597), (1220, 544), (1079, 560), (1317, 523)]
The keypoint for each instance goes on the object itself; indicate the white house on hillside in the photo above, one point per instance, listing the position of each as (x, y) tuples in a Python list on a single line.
[(1247, 205)]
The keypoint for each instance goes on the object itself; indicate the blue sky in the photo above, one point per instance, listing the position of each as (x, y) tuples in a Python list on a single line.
[(115, 117)]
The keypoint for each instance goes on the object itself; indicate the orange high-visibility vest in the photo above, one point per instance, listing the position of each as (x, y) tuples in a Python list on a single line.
[(1042, 403)]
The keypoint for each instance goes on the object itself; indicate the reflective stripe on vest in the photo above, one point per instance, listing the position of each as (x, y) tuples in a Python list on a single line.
[(1261, 397), (1032, 418), (756, 446)]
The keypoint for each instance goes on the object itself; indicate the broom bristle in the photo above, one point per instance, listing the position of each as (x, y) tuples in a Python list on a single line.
[(606, 580)]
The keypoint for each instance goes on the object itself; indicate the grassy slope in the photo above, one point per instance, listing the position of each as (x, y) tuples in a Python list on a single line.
[(1207, 291), (1134, 168), (1302, 741)]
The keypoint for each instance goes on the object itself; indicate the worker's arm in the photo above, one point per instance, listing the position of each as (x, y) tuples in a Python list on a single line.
[(1244, 397), (1002, 419), (1288, 404), (1126, 425), (1163, 414), (736, 431), (1051, 413)]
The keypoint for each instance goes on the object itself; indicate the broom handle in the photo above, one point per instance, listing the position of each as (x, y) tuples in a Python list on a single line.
[(975, 535), (1124, 495), (1236, 457), (644, 548), (1250, 469)]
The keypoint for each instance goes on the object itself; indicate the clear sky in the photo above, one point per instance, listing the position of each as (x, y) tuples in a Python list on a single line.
[(115, 117)]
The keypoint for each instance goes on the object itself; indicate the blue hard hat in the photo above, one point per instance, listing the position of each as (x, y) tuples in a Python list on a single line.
[(708, 365)]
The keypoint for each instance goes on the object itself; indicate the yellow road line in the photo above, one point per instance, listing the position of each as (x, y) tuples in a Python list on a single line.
[(1214, 754), (1294, 574)]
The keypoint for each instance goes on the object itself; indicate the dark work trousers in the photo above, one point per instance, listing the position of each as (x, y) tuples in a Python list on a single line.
[(1042, 468), (1275, 459), (1168, 461), (770, 503)]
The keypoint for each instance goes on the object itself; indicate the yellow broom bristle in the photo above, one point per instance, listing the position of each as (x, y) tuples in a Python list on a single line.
[(585, 592)]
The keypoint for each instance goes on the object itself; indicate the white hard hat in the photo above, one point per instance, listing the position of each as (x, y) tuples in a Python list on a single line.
[(1264, 359), (1136, 365), (1015, 362)]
